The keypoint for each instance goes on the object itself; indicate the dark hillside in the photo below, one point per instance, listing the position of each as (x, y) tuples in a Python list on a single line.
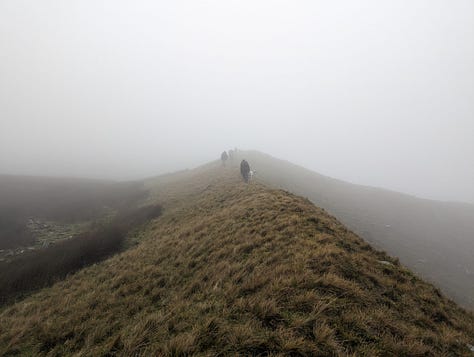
[(237, 269), (435, 239), (41, 268), (56, 199)]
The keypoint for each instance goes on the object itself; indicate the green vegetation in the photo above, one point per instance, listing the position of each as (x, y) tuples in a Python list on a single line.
[(238, 269)]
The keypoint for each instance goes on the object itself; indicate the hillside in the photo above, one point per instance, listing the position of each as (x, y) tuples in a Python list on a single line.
[(230, 269), (40, 210), (434, 239)]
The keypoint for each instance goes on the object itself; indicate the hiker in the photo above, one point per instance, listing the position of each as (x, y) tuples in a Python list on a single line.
[(245, 170), (224, 158)]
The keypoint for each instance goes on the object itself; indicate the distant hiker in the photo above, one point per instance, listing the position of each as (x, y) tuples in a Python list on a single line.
[(224, 158), (245, 170), (231, 155)]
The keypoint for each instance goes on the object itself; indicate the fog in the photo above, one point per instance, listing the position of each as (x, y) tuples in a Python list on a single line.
[(378, 93)]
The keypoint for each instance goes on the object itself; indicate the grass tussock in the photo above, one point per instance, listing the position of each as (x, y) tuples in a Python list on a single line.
[(237, 269)]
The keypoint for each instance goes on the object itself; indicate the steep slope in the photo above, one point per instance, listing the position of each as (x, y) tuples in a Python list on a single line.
[(231, 268), (32, 207), (435, 239)]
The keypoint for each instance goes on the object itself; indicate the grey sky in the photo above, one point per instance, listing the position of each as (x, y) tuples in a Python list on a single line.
[(374, 92)]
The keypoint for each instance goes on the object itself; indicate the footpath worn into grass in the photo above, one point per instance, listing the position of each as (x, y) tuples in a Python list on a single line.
[(233, 269)]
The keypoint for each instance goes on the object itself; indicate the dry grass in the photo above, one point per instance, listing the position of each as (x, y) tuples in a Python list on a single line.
[(236, 269)]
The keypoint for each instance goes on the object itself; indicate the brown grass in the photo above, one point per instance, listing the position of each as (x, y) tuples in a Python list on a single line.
[(237, 269)]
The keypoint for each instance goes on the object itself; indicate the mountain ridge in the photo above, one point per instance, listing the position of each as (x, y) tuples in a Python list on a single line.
[(434, 238), (237, 269)]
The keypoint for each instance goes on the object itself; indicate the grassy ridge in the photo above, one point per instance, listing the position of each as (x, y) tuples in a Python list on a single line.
[(234, 269), (432, 238)]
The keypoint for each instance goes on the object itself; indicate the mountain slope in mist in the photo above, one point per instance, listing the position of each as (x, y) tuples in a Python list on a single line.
[(435, 239), (64, 201), (237, 269)]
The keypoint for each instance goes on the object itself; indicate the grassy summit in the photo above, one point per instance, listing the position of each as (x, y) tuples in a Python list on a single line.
[(230, 269)]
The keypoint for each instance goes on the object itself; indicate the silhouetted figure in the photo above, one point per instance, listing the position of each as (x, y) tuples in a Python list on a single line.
[(245, 170), (231, 155), (224, 158)]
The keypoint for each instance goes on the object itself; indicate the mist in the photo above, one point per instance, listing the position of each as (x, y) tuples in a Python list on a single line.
[(378, 93)]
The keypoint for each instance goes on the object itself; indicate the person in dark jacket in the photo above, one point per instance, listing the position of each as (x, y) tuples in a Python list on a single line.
[(224, 158), (245, 170)]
